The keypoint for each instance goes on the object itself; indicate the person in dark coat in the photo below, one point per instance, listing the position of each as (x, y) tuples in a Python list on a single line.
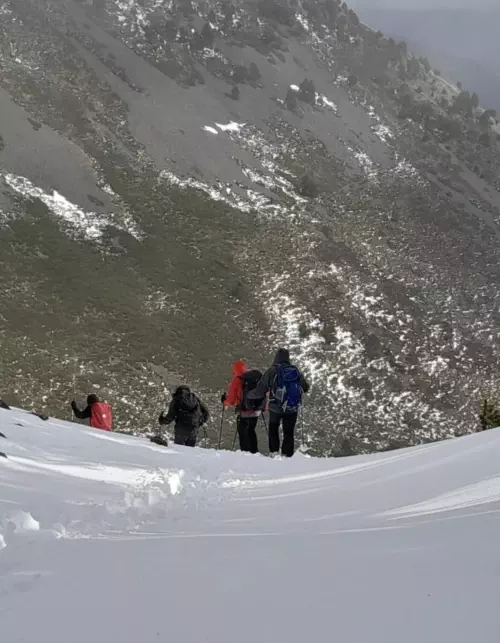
[(280, 412), (246, 418), (189, 413), (97, 411)]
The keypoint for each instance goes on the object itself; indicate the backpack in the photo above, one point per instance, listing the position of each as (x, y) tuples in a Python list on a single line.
[(288, 389), (188, 410), (101, 416), (250, 379)]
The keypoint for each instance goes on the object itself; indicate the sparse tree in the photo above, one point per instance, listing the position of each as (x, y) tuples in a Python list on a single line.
[(308, 187), (474, 100), (486, 117), (240, 74), (253, 73), (404, 47), (485, 139), (463, 104), (235, 93), (307, 92), (207, 36), (489, 417)]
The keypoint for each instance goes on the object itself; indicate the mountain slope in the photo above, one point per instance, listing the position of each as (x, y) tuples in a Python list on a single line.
[(108, 537), (158, 223), (461, 43)]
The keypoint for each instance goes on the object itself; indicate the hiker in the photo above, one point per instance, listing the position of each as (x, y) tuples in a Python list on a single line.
[(248, 411), (286, 384), (189, 414), (99, 413)]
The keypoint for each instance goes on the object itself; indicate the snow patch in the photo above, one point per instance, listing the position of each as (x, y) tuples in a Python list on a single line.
[(89, 224), (323, 101), (383, 133), (480, 493), (23, 521), (212, 130), (230, 127)]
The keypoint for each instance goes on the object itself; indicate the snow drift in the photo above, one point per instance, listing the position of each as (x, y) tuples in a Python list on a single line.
[(109, 538)]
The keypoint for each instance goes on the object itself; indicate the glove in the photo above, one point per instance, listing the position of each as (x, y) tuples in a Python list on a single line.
[(162, 418), (73, 404), (223, 398)]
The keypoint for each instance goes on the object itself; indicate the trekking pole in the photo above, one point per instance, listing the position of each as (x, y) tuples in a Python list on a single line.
[(265, 424), (221, 425), (301, 428), (234, 439)]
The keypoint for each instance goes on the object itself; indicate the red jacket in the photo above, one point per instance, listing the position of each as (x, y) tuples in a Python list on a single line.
[(101, 416), (235, 390)]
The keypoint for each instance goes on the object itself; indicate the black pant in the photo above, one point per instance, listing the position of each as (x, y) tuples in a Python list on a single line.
[(185, 438), (247, 434), (289, 421)]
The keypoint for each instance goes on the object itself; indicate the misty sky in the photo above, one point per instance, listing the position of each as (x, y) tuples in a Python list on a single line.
[(424, 4)]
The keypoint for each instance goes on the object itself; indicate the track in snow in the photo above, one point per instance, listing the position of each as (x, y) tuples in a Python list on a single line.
[(106, 537)]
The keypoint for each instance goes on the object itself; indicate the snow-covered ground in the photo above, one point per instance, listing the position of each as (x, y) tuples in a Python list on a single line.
[(109, 538)]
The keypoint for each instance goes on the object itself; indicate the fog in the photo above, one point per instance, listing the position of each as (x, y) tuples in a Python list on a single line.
[(425, 4), (459, 37)]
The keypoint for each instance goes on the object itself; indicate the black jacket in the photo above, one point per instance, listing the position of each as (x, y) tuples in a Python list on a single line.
[(187, 410), (81, 415), (87, 411), (267, 383)]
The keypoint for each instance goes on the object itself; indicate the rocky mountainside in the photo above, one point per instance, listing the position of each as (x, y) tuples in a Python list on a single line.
[(461, 43), (186, 183)]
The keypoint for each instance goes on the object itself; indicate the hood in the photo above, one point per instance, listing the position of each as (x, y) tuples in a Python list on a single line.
[(282, 355), (239, 368), (187, 399), (93, 399)]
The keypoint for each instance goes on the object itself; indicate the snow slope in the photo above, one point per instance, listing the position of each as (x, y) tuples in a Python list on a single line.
[(110, 538)]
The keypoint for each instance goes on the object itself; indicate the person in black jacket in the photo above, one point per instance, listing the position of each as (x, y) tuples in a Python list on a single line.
[(86, 413), (280, 410), (189, 414)]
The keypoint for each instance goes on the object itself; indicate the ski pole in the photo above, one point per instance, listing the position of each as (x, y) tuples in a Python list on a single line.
[(234, 439), (265, 424), (221, 425)]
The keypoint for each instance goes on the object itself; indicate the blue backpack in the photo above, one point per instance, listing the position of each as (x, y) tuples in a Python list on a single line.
[(288, 390)]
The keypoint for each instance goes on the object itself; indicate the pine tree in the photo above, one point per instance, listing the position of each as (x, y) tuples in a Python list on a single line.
[(207, 36), (291, 100), (489, 418), (235, 93), (253, 73), (240, 74), (308, 187), (307, 92)]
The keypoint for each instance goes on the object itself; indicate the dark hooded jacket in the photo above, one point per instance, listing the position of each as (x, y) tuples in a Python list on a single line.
[(268, 382), (87, 411), (187, 410)]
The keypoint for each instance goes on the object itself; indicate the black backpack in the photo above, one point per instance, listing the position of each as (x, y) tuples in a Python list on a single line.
[(188, 408), (250, 380)]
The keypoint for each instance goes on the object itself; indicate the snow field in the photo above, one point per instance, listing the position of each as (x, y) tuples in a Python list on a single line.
[(105, 537)]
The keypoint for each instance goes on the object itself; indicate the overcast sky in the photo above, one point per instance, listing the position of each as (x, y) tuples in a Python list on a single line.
[(424, 4)]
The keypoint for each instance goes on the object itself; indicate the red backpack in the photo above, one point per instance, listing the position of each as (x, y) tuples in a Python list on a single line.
[(101, 416)]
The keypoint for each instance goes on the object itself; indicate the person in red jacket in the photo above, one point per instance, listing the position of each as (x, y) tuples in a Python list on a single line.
[(97, 411), (247, 412)]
